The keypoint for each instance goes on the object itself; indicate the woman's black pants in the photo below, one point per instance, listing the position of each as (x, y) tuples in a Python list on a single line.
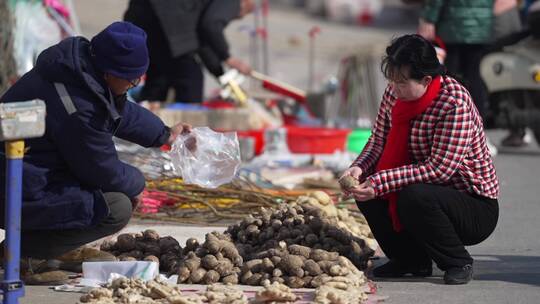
[(438, 222)]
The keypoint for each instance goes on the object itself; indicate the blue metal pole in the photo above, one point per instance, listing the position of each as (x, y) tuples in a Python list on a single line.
[(12, 286)]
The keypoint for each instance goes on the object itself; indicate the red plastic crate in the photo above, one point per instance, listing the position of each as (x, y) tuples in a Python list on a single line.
[(316, 140)]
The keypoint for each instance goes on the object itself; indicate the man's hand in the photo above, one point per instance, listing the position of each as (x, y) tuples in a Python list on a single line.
[(180, 128), (136, 201), (363, 192), (191, 143), (239, 65), (426, 29)]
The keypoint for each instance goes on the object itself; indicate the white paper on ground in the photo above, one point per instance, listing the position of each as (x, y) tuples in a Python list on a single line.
[(72, 288), (101, 271), (90, 282)]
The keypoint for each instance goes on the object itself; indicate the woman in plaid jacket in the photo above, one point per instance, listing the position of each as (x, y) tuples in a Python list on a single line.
[(428, 186)]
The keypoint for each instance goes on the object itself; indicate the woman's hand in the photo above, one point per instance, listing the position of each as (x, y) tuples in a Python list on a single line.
[(426, 29), (363, 192), (180, 128), (355, 172)]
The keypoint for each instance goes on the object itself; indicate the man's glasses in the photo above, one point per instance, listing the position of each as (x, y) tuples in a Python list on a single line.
[(135, 82)]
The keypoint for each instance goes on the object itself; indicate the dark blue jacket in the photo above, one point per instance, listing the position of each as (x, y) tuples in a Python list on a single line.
[(67, 170)]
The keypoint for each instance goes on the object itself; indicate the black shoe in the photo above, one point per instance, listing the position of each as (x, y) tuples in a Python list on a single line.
[(458, 275), (394, 269), (515, 140)]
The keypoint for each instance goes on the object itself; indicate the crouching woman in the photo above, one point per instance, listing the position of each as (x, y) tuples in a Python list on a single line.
[(428, 186)]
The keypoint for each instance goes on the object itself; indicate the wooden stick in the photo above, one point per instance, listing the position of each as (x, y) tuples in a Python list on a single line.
[(286, 86)]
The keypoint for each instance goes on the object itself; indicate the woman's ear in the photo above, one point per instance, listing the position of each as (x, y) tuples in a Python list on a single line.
[(427, 80)]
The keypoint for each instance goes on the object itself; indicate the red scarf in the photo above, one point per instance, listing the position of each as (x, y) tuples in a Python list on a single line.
[(396, 149)]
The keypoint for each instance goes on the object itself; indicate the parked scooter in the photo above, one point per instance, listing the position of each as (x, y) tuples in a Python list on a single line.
[(512, 77)]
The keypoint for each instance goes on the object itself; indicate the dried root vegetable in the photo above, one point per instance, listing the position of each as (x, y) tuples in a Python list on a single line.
[(102, 295), (275, 293), (298, 245), (303, 229), (216, 260), (123, 290), (297, 266), (340, 291), (322, 197), (220, 294), (147, 246), (348, 182), (356, 225)]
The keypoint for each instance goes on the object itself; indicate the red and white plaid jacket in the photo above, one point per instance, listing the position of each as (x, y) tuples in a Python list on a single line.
[(447, 146)]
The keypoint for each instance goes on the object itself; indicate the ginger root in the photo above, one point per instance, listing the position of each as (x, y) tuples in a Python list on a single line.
[(348, 182)]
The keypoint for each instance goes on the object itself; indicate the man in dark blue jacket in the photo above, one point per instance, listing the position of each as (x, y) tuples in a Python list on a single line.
[(75, 189)]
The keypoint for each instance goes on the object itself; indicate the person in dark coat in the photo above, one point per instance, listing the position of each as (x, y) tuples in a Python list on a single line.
[(466, 27), (75, 189), (182, 34)]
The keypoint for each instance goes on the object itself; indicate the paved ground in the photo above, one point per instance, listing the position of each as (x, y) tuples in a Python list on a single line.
[(507, 267)]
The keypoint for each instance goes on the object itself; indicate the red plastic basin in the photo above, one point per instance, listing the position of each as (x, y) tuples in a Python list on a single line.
[(316, 140), (258, 137)]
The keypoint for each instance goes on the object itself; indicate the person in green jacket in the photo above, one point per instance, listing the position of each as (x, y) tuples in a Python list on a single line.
[(465, 26)]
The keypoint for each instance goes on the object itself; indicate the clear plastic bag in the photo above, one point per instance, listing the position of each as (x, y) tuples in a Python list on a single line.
[(206, 158)]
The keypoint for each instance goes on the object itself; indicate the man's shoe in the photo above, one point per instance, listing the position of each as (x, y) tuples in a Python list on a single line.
[(33, 266), (394, 269), (50, 278), (458, 275), (72, 260)]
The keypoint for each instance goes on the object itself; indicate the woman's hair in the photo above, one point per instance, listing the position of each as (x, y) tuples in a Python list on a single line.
[(411, 52)]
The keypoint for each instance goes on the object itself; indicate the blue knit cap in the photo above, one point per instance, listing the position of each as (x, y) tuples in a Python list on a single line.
[(120, 50)]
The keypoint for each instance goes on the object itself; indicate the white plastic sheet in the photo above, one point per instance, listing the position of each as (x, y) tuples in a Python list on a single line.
[(102, 271), (206, 158)]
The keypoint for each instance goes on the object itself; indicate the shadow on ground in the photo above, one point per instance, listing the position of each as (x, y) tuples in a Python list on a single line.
[(504, 268), (508, 268)]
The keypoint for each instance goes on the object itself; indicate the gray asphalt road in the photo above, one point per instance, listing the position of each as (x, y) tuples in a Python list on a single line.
[(507, 267)]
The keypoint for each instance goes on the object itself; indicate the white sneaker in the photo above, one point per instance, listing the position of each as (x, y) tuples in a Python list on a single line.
[(493, 151), (528, 138)]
